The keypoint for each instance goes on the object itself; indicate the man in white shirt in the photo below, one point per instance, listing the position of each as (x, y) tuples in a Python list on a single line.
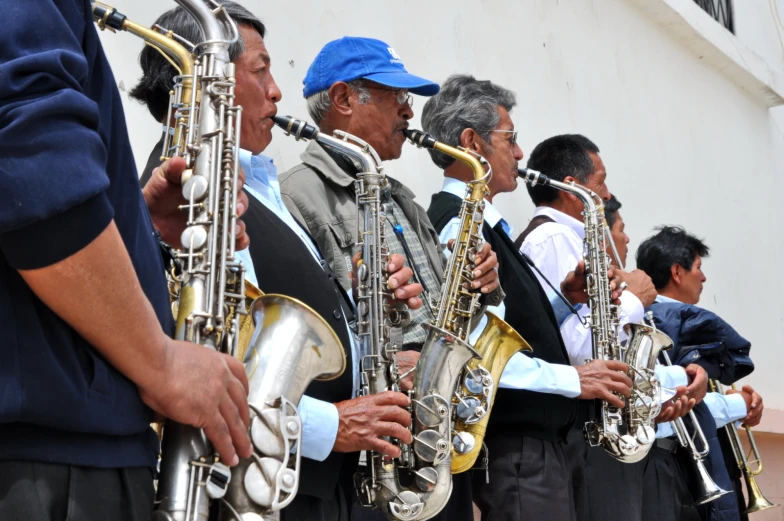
[(673, 258), (554, 242), (535, 404)]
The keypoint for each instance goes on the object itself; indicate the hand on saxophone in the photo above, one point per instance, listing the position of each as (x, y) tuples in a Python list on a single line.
[(676, 407), (405, 291), (604, 380), (205, 389), (754, 405), (486, 270), (163, 195), (640, 284), (363, 421), (574, 288)]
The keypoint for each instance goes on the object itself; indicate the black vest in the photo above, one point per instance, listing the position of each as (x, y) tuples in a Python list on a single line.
[(528, 311), (284, 265)]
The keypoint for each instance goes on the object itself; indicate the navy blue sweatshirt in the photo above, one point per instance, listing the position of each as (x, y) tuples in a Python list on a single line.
[(66, 170)]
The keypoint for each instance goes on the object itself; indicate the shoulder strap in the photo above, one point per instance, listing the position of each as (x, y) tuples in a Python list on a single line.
[(535, 223)]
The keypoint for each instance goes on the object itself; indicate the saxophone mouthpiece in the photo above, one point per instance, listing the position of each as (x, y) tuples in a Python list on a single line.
[(299, 128), (532, 177), (420, 138), (107, 16)]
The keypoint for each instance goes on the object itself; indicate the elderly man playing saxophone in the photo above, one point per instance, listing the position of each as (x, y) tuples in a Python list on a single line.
[(360, 86)]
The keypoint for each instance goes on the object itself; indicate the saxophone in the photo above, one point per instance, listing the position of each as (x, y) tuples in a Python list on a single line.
[(291, 344), (474, 394), (626, 434)]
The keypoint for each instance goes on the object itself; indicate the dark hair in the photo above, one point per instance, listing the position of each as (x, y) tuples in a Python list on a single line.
[(611, 208), (672, 245), (463, 102), (158, 74), (558, 158)]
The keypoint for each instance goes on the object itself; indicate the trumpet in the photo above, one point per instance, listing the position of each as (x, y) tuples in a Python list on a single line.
[(757, 501), (709, 490)]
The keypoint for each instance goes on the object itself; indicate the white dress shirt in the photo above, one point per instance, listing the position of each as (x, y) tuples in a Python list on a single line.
[(521, 372), (319, 418), (724, 408), (556, 248)]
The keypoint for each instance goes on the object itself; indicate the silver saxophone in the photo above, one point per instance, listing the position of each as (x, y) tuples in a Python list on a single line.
[(291, 344), (428, 459), (626, 434)]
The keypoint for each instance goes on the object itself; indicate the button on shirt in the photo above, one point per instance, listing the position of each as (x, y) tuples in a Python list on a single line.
[(724, 408), (319, 418), (521, 372)]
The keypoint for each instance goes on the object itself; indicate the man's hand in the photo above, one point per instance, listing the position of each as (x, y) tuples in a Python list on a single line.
[(405, 291), (163, 195), (754, 405), (205, 389), (601, 378), (640, 284), (698, 382), (486, 270), (406, 361), (676, 407), (364, 420), (573, 287)]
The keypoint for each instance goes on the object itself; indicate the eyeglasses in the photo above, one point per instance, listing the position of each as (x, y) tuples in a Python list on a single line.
[(512, 141), (401, 96)]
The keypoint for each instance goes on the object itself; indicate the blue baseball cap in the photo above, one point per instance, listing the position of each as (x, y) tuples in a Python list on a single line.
[(351, 58)]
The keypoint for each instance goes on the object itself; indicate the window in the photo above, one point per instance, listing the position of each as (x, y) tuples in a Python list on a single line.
[(720, 10)]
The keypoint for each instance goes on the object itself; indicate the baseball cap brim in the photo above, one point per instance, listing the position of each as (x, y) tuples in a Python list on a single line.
[(404, 80)]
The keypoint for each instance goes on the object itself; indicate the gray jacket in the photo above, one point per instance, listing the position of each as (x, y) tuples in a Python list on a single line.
[(320, 195)]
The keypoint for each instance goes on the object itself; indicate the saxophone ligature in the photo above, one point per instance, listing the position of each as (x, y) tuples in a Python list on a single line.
[(756, 500), (474, 394), (626, 434), (213, 294)]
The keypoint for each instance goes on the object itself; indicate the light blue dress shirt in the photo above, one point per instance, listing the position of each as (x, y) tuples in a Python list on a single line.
[(723, 408), (319, 418)]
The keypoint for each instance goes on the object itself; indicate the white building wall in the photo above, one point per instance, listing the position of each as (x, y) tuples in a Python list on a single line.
[(682, 144)]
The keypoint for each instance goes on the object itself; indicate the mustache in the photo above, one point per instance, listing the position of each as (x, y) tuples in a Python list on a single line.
[(401, 127)]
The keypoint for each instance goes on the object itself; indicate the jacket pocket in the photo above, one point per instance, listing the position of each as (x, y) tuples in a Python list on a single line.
[(343, 238)]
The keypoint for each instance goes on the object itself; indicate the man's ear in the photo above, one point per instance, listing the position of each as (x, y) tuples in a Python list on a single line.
[(676, 271), (470, 139), (340, 97)]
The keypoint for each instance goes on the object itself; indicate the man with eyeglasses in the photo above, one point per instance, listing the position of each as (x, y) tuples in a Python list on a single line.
[(360, 86), (535, 406)]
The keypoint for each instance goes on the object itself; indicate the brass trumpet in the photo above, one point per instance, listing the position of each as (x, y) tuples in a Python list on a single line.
[(757, 501)]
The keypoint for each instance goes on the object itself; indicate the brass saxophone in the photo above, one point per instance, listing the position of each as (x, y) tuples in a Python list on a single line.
[(291, 344), (474, 394), (626, 434)]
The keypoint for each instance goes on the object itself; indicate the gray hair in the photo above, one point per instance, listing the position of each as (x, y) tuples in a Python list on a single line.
[(463, 102), (319, 103)]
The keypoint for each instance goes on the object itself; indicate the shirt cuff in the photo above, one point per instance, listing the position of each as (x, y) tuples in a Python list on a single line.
[(725, 408), (671, 376), (664, 430), (737, 406), (568, 380), (319, 428), (632, 308), (52, 240)]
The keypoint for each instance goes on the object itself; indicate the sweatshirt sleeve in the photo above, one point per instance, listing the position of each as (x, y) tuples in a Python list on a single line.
[(53, 168)]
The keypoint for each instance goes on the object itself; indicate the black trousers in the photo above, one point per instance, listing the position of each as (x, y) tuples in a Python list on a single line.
[(32, 491), (614, 489), (666, 492), (309, 508), (530, 480)]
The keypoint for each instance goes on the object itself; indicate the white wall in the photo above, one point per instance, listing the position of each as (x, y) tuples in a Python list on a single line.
[(681, 143)]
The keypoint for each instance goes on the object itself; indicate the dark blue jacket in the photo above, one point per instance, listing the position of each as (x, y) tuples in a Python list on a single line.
[(66, 170), (702, 337)]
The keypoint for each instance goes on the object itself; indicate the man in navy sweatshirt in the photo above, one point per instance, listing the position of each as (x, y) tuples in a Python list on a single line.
[(85, 354)]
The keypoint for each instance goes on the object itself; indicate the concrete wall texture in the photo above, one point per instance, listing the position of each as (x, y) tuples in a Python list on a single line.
[(683, 144)]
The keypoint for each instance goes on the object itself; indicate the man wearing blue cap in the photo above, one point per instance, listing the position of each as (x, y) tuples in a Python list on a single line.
[(360, 86)]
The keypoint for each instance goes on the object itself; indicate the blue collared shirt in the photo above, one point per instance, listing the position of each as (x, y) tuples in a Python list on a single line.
[(723, 408), (522, 371), (319, 418)]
